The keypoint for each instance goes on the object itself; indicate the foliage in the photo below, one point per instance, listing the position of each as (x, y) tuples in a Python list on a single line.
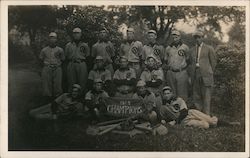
[(230, 76)]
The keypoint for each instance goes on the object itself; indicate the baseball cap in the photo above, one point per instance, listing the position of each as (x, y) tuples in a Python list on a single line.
[(124, 58), (166, 88), (140, 83), (152, 31), (52, 34), (99, 57), (198, 33), (77, 86), (98, 80), (175, 32), (151, 56), (130, 29), (77, 30)]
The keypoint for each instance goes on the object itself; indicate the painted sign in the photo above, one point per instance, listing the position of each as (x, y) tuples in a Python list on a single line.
[(123, 107)]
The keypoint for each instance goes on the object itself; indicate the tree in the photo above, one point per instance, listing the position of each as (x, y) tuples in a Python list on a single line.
[(163, 18)]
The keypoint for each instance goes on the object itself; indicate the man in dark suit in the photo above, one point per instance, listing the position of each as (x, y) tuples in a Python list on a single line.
[(202, 70)]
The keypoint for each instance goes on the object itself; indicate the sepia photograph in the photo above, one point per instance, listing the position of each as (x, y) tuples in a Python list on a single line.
[(126, 78)]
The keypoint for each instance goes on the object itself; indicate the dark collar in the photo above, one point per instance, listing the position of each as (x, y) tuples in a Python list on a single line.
[(153, 44), (147, 93), (124, 69), (176, 44)]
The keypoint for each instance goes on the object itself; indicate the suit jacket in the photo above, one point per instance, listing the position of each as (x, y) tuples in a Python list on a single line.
[(207, 63)]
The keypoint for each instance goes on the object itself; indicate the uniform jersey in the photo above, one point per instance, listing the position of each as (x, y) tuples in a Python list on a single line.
[(105, 50), (66, 104), (95, 97), (52, 56), (99, 74), (149, 100), (177, 57), (157, 51), (76, 52), (172, 111), (132, 51), (127, 74), (148, 75)]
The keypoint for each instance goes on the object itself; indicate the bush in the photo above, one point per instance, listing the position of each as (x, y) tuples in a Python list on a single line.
[(230, 76)]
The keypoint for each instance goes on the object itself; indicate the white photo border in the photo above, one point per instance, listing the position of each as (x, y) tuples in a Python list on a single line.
[(63, 154)]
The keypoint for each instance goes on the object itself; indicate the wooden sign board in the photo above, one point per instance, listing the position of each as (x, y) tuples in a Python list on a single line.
[(123, 107)]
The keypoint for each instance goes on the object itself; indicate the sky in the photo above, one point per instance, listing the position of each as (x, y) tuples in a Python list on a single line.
[(187, 28)]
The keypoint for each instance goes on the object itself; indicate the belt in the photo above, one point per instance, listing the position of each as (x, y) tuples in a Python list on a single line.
[(178, 70), (77, 61), (52, 65), (134, 63)]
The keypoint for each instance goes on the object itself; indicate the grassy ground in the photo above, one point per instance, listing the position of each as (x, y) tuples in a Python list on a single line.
[(27, 134)]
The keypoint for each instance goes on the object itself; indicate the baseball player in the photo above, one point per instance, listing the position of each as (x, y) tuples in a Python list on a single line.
[(52, 57), (152, 75), (174, 110), (94, 99), (132, 49), (76, 53), (149, 101), (100, 72), (124, 79), (178, 59), (153, 48), (66, 105), (105, 49)]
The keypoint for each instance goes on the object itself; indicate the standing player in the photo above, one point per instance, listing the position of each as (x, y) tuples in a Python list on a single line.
[(132, 49), (52, 57), (76, 53), (178, 59), (153, 49), (105, 49)]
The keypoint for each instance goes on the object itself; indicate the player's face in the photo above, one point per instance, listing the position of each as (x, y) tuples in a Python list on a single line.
[(52, 40), (130, 35), (167, 94), (151, 62), (103, 34), (124, 63), (176, 38), (77, 35), (141, 90), (99, 63), (151, 37), (198, 39), (75, 93), (98, 86)]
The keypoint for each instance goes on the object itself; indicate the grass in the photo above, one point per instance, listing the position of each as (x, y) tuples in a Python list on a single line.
[(27, 134)]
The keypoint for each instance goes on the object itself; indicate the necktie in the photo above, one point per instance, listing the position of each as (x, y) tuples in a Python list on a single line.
[(197, 53)]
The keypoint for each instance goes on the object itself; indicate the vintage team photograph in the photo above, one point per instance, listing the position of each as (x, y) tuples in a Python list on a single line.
[(166, 78)]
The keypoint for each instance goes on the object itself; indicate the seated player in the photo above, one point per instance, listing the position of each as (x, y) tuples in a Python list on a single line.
[(149, 101), (174, 110), (153, 76), (68, 104), (124, 79), (94, 100), (99, 72)]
